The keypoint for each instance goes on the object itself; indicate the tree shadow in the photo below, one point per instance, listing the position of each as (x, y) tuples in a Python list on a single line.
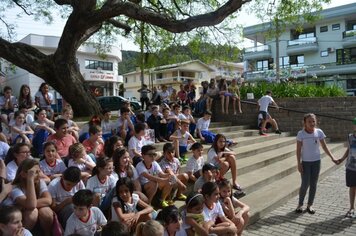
[(330, 226), (274, 220)]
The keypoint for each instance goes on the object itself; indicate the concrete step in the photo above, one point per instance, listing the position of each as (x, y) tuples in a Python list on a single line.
[(263, 146), (219, 124), (269, 196), (226, 129)]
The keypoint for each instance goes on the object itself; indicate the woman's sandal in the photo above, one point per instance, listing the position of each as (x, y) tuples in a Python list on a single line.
[(299, 210), (350, 214), (310, 210)]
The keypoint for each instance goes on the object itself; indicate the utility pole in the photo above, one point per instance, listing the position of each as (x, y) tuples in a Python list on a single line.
[(278, 69), (142, 58)]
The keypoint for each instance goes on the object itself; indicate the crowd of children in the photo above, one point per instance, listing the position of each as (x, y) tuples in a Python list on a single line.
[(61, 179)]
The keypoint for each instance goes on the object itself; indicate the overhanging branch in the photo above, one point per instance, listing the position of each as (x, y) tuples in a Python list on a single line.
[(120, 25), (137, 12), (22, 7)]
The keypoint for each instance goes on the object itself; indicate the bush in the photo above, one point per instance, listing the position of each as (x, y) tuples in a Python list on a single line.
[(283, 90)]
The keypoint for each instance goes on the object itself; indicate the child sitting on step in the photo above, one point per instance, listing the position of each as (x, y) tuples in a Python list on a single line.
[(195, 163)]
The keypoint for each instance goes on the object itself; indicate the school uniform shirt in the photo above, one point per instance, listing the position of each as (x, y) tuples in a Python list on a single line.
[(193, 165), (180, 232), (199, 183), (22, 127), (264, 102), (42, 101), (19, 192), (182, 116), (183, 138), (135, 144), (121, 123), (310, 144), (58, 193), (81, 166), (203, 125), (26, 232), (164, 95), (154, 170), (4, 148), (13, 100), (96, 186), (213, 214), (129, 207), (58, 168), (173, 165), (76, 226), (11, 169), (211, 156), (107, 126), (62, 144), (124, 174)]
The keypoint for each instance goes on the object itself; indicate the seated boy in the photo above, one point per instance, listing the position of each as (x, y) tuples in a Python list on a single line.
[(203, 130), (182, 139), (186, 115), (86, 220), (195, 163), (171, 166), (136, 143), (62, 189), (62, 138), (158, 124), (152, 177), (94, 145), (209, 174), (124, 124), (107, 125)]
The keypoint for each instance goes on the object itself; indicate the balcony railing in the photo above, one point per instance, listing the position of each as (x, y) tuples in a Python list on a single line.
[(349, 34), (258, 49), (302, 41), (174, 79)]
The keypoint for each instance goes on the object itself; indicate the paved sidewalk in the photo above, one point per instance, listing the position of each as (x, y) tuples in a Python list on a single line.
[(331, 205)]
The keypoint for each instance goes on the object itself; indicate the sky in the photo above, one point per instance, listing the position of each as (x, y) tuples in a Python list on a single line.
[(26, 25)]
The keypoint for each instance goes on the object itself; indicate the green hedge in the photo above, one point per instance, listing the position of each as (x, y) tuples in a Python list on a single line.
[(294, 90)]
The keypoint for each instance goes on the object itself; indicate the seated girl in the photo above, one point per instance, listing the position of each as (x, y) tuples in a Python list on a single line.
[(43, 128), (31, 194), (11, 222), (127, 207), (21, 132), (79, 158), (50, 165)]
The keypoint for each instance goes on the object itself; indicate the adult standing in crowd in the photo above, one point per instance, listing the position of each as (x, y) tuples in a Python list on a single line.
[(144, 91)]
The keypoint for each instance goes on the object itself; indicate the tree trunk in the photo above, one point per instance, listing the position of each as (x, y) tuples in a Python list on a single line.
[(69, 82)]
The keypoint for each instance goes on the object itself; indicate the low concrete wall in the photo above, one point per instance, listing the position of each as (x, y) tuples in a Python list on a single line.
[(338, 107)]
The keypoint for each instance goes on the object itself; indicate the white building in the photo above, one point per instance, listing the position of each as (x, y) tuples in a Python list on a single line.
[(101, 74)]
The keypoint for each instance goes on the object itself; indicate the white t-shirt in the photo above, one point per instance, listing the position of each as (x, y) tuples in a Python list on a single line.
[(59, 194), (211, 154), (130, 207), (213, 214), (11, 169), (310, 144), (135, 144), (264, 102), (183, 138), (180, 232), (182, 116), (202, 124), (42, 101), (154, 170), (18, 192), (107, 126), (4, 148), (194, 165), (58, 168), (121, 123), (2, 101), (81, 166), (89, 228), (164, 95), (124, 174), (96, 186)]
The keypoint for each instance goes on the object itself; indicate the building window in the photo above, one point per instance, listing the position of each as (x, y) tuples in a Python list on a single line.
[(159, 76), (264, 65), (346, 56), (307, 33), (284, 62), (323, 29), (324, 53), (335, 27), (296, 61), (125, 79), (94, 65)]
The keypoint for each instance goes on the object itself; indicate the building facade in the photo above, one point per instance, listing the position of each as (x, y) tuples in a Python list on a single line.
[(323, 53), (100, 74), (176, 74)]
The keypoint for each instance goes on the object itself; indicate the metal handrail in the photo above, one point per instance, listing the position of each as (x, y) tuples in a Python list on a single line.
[(297, 111)]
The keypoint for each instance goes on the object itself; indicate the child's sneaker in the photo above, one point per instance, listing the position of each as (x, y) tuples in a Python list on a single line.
[(170, 202), (164, 204), (182, 197)]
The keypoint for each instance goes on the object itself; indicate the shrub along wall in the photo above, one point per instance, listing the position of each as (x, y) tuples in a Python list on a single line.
[(289, 121)]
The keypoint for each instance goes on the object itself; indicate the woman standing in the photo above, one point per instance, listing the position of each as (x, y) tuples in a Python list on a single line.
[(308, 157)]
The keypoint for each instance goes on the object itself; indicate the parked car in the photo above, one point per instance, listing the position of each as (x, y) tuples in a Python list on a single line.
[(114, 103), (134, 99)]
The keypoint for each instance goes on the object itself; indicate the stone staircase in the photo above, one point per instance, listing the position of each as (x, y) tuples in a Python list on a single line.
[(267, 166)]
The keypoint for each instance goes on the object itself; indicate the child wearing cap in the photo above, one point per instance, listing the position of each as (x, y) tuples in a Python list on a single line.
[(350, 155), (195, 163), (209, 174)]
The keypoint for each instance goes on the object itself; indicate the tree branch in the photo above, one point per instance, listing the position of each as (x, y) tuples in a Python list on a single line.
[(24, 56), (179, 9), (22, 7), (64, 2), (120, 25), (137, 12)]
